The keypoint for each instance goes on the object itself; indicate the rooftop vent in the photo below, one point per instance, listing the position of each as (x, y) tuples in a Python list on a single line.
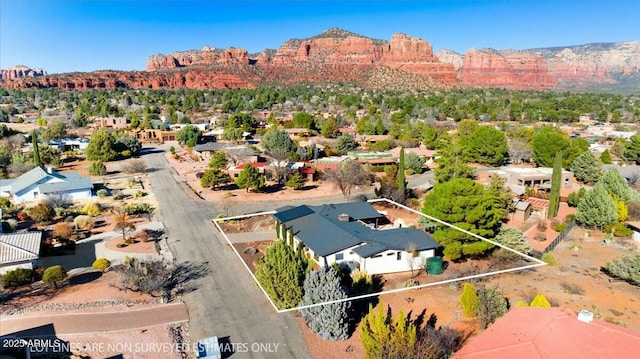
[(585, 316), (343, 217)]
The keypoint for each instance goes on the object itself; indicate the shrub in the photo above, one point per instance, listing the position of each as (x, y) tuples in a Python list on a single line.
[(42, 213), (619, 229), (23, 216), (540, 301), (125, 153), (542, 225), (411, 283), (453, 251), (560, 227), (549, 258), (101, 263), (540, 236), (572, 288), (491, 306), (138, 208), (626, 267), (62, 230), (102, 193), (135, 166), (83, 222), (118, 195), (172, 150), (5, 203), (139, 193), (362, 282), (469, 300), (97, 168), (17, 277), (91, 209), (54, 274)]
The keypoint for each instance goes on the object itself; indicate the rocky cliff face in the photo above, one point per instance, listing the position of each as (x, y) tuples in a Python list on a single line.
[(21, 71)]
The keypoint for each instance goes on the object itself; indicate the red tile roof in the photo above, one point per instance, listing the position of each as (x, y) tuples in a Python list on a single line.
[(551, 333), (253, 164)]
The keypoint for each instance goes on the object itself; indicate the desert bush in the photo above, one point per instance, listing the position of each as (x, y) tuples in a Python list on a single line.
[(437, 343), (626, 267), (572, 288), (491, 306), (16, 278), (118, 195), (102, 193), (42, 213), (146, 277), (101, 263), (135, 166), (172, 150), (91, 209), (540, 236), (125, 153), (540, 301), (560, 227), (411, 283), (619, 229), (139, 194), (138, 208), (469, 300), (542, 225), (5, 203), (83, 222), (362, 282), (62, 230), (97, 168), (549, 258), (54, 274)]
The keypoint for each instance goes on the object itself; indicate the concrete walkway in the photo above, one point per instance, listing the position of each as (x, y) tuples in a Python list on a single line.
[(100, 322)]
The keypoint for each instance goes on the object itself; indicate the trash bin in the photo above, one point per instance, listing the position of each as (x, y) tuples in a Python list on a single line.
[(434, 265)]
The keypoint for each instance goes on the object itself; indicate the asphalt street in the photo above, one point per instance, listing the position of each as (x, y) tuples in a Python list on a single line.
[(225, 302)]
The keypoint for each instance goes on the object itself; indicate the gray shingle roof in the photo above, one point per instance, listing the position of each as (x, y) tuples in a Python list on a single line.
[(72, 182), (34, 176), (321, 230), (209, 146), (18, 247)]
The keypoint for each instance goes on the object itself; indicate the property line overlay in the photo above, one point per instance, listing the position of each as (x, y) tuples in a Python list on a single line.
[(537, 262)]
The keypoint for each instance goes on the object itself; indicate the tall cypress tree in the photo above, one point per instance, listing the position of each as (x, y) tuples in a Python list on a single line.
[(556, 180), (36, 151), (400, 177)]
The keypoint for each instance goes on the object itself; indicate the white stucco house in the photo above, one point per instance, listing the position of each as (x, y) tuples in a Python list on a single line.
[(349, 234), (19, 250), (40, 183)]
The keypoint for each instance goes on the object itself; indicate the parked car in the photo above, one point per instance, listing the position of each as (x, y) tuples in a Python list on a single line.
[(199, 174)]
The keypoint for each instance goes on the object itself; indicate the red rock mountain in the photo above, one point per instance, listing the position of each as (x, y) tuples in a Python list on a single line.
[(20, 71), (402, 62)]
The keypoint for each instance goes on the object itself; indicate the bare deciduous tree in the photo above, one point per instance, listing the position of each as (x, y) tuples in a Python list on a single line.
[(519, 151), (350, 174), (135, 166)]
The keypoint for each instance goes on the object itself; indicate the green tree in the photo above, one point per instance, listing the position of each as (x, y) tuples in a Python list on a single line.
[(296, 181), (281, 272), (577, 147), (514, 239), (632, 150), (452, 161), (469, 300), (596, 208), (605, 157), (414, 162), (540, 301), (491, 306), (546, 143), (101, 146), (487, 145), (618, 187), (214, 177), (464, 204), (250, 178), (302, 120), (330, 127), (587, 168), (379, 128), (498, 189), (345, 143), (556, 182), (97, 168), (330, 321), (401, 182), (54, 274), (42, 213), (189, 136), (218, 160), (467, 127), (55, 131), (429, 137), (575, 197), (385, 336), (36, 150), (278, 140), (626, 267)]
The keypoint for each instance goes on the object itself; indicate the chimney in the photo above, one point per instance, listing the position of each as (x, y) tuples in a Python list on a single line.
[(50, 170), (585, 316), (343, 217)]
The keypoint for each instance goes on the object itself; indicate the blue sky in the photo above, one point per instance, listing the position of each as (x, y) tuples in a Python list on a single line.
[(66, 36)]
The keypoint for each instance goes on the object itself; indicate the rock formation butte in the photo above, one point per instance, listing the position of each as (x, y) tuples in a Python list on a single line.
[(21, 71), (402, 62)]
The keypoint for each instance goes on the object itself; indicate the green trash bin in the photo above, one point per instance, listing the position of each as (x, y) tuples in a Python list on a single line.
[(434, 265)]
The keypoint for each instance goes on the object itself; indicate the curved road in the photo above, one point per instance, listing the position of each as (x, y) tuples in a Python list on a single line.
[(226, 302)]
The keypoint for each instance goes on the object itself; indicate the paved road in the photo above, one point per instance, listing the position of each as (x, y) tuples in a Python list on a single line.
[(84, 323), (226, 302)]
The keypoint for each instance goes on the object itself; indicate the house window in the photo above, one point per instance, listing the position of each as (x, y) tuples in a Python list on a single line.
[(339, 256), (35, 193), (377, 256), (398, 255), (390, 253)]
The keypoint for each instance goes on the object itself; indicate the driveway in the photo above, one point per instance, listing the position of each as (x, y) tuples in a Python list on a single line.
[(225, 303)]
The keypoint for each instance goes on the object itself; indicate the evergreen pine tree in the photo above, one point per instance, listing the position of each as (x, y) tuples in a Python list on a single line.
[(402, 185), (330, 321), (556, 181), (36, 150), (587, 168), (281, 272), (469, 300), (596, 208), (605, 157), (618, 187)]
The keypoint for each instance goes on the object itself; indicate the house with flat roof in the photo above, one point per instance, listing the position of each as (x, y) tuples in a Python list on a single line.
[(350, 234), (551, 333), (539, 177), (40, 183), (19, 250)]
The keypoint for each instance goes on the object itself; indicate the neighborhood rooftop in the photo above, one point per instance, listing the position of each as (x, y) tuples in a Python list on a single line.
[(19, 247)]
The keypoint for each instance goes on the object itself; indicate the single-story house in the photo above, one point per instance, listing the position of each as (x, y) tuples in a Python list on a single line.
[(70, 144), (110, 122), (539, 177), (206, 150), (552, 333), (234, 171), (19, 250), (349, 234), (40, 183)]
